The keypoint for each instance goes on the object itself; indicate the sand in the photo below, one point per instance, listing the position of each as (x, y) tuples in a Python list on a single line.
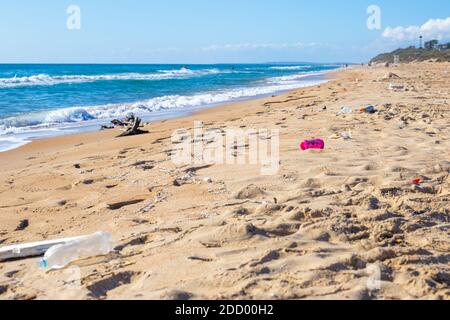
[(343, 223)]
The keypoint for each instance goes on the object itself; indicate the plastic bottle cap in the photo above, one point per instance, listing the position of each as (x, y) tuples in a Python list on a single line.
[(42, 264)]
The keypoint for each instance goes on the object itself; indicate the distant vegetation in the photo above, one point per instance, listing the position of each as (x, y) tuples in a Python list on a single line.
[(414, 55)]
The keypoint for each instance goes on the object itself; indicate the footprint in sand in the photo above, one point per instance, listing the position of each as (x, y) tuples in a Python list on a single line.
[(233, 232), (250, 192), (282, 229), (100, 289)]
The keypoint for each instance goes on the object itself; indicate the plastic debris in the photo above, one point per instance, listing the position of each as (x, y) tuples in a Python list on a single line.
[(33, 249), (148, 207), (59, 256), (312, 144), (369, 109), (207, 180), (346, 110), (396, 86), (347, 135)]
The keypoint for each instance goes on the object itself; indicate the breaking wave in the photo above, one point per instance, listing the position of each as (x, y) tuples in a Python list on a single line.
[(293, 68), (47, 80), (51, 118)]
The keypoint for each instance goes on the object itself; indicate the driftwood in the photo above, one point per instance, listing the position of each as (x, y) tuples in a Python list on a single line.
[(33, 249), (132, 129), (131, 124)]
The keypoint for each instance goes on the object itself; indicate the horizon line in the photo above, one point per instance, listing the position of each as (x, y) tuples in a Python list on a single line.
[(170, 63)]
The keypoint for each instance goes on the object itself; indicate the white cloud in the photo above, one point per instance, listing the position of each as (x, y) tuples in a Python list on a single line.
[(258, 46), (433, 29)]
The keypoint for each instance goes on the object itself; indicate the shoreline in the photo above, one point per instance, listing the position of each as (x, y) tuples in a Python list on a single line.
[(168, 115), (346, 222)]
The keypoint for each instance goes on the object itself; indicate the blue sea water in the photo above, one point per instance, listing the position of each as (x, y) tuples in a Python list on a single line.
[(38, 101)]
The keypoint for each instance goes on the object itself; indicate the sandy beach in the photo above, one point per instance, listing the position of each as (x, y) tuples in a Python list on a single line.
[(366, 218)]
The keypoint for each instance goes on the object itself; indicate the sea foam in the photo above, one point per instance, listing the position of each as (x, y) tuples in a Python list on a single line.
[(47, 80), (20, 129), (44, 119), (291, 68)]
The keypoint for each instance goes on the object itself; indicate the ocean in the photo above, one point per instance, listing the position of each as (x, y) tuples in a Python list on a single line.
[(38, 101)]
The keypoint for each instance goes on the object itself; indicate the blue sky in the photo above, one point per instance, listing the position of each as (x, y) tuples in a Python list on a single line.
[(210, 31)]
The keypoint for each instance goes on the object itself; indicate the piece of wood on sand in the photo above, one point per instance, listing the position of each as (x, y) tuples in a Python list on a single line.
[(133, 129), (34, 249)]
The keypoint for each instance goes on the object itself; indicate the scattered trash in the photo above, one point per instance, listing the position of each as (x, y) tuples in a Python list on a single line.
[(346, 110), (347, 135), (396, 86), (312, 144), (369, 109), (148, 208), (417, 181), (189, 177), (207, 180), (59, 256), (343, 135)]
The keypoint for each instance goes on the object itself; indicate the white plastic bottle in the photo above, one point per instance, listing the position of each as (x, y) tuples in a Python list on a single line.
[(60, 256)]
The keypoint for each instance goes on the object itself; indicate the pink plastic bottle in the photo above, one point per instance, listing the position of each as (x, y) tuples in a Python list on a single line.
[(312, 144)]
